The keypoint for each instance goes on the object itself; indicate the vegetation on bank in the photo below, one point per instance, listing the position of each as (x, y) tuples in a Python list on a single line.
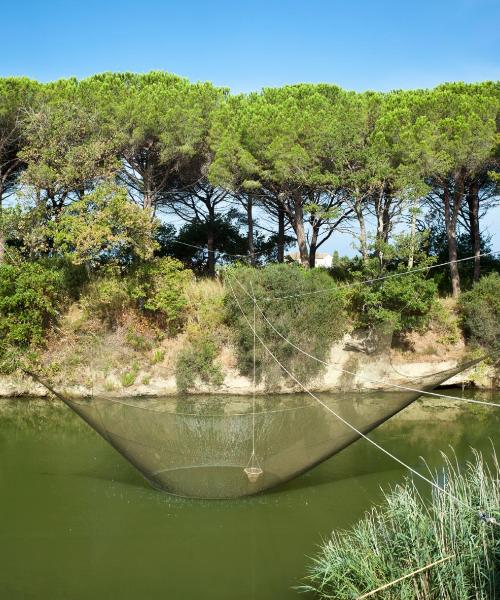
[(407, 533), (55, 315), (121, 193)]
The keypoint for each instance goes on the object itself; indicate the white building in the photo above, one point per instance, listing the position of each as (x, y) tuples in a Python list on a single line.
[(322, 258)]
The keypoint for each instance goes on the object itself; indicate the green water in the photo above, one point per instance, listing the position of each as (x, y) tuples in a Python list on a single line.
[(77, 521)]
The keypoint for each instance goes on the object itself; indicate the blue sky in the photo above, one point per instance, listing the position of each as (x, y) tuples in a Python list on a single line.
[(358, 44), (363, 44)]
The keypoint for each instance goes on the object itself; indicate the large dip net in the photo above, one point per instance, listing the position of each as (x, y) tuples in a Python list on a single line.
[(230, 446)]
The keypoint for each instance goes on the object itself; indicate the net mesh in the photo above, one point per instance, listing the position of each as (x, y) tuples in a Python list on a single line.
[(202, 447)]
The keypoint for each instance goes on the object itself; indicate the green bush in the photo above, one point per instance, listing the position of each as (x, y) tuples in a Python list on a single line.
[(159, 286), (404, 535), (197, 361), (310, 321), (404, 303), (31, 297), (157, 356), (128, 377), (480, 309), (106, 298)]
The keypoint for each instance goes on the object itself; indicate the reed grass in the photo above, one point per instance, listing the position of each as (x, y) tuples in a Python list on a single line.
[(407, 533)]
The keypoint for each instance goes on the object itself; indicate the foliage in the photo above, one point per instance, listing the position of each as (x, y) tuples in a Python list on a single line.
[(104, 227), (197, 360), (404, 301), (157, 356), (159, 287), (444, 320), (156, 288), (226, 233), (31, 295), (405, 534), (312, 321), (67, 147), (89, 164), (106, 298), (205, 336), (128, 377), (480, 308)]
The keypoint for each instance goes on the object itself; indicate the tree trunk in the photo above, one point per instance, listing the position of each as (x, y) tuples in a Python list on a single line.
[(251, 247), (413, 234), (313, 246), (473, 201), (450, 218), (363, 243), (281, 234), (379, 245), (2, 234), (298, 225), (211, 241)]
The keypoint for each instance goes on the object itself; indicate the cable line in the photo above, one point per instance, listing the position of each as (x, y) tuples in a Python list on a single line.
[(369, 380), (352, 427)]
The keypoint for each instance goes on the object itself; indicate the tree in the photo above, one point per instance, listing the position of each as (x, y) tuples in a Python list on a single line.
[(198, 206), (104, 227), (279, 144), (462, 137), (67, 151), (162, 121), (16, 97)]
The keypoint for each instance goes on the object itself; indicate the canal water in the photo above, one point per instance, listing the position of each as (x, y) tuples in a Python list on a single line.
[(77, 522)]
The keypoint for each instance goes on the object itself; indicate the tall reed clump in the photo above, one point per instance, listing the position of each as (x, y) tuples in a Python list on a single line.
[(407, 533)]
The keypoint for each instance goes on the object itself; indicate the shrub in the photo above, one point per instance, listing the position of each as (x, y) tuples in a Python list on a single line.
[(311, 321), (480, 309), (197, 360), (104, 227), (31, 297), (138, 342), (106, 298), (157, 356), (444, 321), (128, 377), (404, 303), (404, 535), (205, 335), (159, 287)]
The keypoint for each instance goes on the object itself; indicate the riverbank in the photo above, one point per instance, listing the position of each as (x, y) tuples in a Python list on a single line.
[(348, 369)]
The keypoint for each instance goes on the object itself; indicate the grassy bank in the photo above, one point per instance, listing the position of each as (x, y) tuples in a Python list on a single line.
[(161, 323)]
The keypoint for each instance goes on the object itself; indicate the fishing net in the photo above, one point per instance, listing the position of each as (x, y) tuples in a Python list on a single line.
[(227, 446)]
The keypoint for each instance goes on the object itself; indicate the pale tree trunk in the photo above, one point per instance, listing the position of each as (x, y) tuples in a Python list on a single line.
[(363, 243), (473, 201), (451, 207), (251, 247), (379, 212), (298, 222)]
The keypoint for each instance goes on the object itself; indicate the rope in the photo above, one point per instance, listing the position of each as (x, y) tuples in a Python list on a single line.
[(253, 386), (344, 421), (369, 380), (220, 252), (412, 574), (384, 277), (324, 290)]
